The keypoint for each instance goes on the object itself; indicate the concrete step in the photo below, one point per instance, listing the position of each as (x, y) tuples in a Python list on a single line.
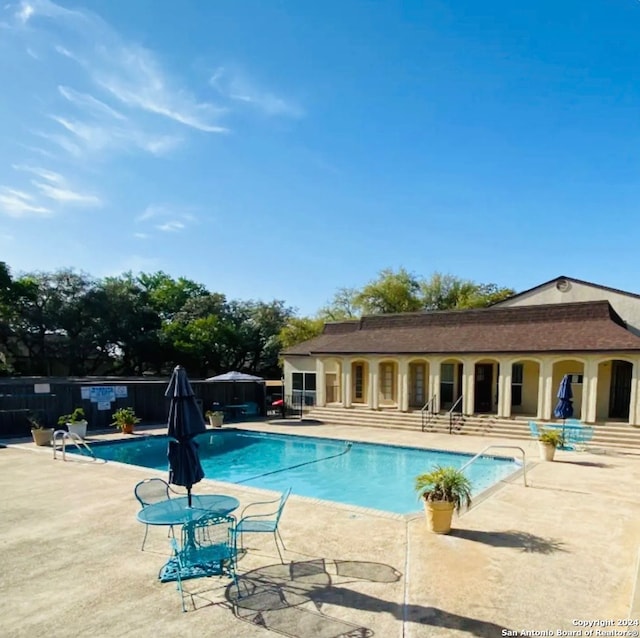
[(605, 435)]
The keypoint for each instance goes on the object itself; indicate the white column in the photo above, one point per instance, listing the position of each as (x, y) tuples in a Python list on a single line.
[(504, 388), (468, 386), (403, 385), (434, 382), (545, 391), (589, 392), (321, 384), (372, 394), (346, 383)]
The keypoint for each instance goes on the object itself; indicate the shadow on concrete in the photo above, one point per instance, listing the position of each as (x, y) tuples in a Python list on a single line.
[(288, 599), (529, 543), (585, 463)]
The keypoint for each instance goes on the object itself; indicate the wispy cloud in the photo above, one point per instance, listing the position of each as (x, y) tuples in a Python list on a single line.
[(17, 203), (167, 219), (121, 98), (50, 192), (239, 88)]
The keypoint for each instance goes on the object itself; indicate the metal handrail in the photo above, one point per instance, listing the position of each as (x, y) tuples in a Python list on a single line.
[(451, 412), (513, 447), (427, 409), (74, 438)]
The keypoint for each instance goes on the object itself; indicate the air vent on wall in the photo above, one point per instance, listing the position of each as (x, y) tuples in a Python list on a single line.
[(563, 285)]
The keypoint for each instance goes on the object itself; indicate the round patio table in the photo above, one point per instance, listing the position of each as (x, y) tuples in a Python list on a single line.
[(175, 511)]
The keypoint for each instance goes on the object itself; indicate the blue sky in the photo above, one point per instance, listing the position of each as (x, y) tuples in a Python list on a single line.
[(284, 149)]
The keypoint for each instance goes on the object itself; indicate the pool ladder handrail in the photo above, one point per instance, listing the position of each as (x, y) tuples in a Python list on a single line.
[(513, 447), (74, 438)]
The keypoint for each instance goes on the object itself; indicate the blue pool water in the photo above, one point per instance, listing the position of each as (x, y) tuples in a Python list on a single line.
[(363, 474)]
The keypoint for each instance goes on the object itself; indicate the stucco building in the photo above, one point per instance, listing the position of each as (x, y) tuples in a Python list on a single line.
[(506, 360)]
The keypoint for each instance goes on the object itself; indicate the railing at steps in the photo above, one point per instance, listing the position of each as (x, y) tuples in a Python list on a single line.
[(426, 412), (512, 447), (454, 415), (63, 436)]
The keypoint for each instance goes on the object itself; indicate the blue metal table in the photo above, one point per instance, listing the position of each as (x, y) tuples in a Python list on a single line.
[(175, 511)]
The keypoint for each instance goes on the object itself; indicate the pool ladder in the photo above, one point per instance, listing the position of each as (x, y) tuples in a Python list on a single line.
[(512, 447), (63, 436)]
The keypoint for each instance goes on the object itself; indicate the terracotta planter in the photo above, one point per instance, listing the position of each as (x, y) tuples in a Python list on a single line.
[(547, 451), (127, 428), (42, 436), (439, 515)]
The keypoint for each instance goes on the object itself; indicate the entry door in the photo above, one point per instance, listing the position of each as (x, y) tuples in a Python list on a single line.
[(620, 391), (484, 385)]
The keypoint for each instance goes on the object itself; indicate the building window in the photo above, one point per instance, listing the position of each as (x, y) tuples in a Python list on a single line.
[(517, 375), (386, 381), (358, 386), (418, 387), (446, 383), (304, 388)]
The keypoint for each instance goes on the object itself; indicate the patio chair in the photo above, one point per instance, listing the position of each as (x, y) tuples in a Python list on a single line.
[(152, 490), (208, 548), (264, 517), (533, 427)]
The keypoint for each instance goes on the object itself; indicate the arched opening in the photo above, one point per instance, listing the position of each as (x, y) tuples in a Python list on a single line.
[(614, 390), (576, 370), (418, 383), (387, 384), (333, 381), (485, 396), (450, 383), (359, 382), (524, 387)]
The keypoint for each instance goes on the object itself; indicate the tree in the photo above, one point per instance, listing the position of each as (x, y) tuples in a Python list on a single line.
[(299, 329), (390, 292), (446, 292), (343, 306)]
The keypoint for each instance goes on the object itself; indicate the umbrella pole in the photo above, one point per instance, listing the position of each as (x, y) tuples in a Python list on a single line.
[(188, 497)]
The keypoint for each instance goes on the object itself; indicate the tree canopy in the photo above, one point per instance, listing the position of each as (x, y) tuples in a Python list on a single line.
[(68, 323)]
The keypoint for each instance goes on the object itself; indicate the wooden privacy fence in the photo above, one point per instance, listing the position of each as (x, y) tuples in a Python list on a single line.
[(49, 398)]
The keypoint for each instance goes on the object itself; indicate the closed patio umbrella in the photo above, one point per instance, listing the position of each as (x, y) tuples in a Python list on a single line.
[(185, 422), (564, 408)]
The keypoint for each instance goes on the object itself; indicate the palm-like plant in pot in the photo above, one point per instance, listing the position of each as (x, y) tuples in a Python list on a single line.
[(75, 422), (125, 419), (548, 442), (41, 434), (443, 489)]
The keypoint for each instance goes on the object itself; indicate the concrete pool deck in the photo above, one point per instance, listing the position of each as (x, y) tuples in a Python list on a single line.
[(536, 558)]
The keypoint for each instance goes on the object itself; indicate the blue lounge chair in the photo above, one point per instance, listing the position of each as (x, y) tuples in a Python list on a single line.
[(264, 517), (208, 548)]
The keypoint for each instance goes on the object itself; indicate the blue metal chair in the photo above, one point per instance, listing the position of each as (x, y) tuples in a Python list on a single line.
[(533, 427), (208, 548), (265, 519), (152, 490)]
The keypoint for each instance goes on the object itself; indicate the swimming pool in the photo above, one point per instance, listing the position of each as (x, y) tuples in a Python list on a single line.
[(363, 474)]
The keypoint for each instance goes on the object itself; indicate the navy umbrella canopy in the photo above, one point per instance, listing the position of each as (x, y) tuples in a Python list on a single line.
[(185, 422), (564, 408)]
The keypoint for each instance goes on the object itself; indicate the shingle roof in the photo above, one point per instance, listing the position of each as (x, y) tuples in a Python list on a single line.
[(591, 326)]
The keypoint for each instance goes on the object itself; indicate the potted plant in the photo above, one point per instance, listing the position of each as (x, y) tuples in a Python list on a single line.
[(443, 490), (75, 422), (215, 417), (548, 442), (40, 434), (124, 419)]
